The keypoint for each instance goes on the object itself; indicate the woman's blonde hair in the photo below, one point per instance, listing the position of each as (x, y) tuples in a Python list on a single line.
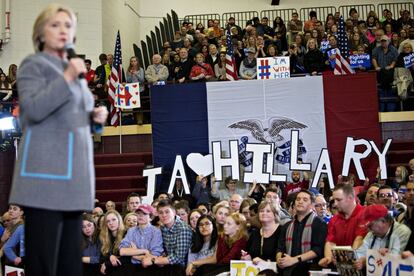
[(240, 220), (39, 25), (105, 234), (273, 207)]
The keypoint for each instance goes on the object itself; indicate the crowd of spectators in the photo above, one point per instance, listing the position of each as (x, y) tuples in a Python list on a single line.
[(200, 233)]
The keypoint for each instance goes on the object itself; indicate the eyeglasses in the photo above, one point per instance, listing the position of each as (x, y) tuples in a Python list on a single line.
[(386, 195), (320, 205), (207, 224)]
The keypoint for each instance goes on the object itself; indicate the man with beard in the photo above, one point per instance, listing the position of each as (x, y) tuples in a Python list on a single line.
[(296, 185), (301, 241), (346, 228)]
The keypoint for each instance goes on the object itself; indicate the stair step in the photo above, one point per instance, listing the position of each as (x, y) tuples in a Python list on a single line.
[(120, 182), (398, 156), (117, 195), (128, 169), (114, 158)]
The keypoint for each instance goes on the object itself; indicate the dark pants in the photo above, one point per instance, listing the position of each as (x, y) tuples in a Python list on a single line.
[(53, 243)]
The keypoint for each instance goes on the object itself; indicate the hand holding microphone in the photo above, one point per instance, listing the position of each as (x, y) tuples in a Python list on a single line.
[(76, 66)]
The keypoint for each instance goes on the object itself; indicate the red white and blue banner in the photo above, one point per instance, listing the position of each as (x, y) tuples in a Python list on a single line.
[(187, 118), (127, 97)]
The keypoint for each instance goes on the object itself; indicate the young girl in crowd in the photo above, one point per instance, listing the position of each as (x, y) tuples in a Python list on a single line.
[(130, 220), (90, 245), (193, 218), (110, 237), (204, 245), (221, 213)]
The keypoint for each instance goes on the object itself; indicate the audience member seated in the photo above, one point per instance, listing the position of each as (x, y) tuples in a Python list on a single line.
[(130, 220), (294, 26), (204, 244), (110, 237), (14, 249), (201, 71), (5, 88), (156, 72), (204, 208), (321, 208), (313, 60), (346, 228), (221, 211), (301, 241), (262, 243), (109, 205), (274, 195), (384, 234), (229, 246), (256, 191), (183, 210), (91, 246), (135, 73), (176, 236), (178, 193), (193, 217), (220, 67), (310, 24), (410, 39), (142, 242), (248, 70)]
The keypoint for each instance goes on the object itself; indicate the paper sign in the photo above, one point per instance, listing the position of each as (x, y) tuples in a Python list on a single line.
[(363, 60), (330, 53), (390, 265), (201, 165), (247, 268), (324, 46), (13, 271), (273, 68), (128, 96), (409, 61)]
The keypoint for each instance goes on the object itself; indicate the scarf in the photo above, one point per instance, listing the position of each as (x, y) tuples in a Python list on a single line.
[(306, 235)]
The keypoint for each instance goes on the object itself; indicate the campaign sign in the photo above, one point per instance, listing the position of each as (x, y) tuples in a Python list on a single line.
[(128, 96), (247, 268), (363, 60), (330, 53), (13, 271), (390, 265), (273, 68), (409, 60), (324, 46)]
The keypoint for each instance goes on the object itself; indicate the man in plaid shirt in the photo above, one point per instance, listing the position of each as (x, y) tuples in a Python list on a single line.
[(176, 235)]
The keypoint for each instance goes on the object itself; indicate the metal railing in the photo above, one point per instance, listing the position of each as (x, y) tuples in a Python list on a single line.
[(282, 13), (363, 10), (201, 18), (241, 18), (321, 12)]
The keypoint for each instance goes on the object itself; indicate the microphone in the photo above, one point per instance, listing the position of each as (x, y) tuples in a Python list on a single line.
[(69, 48)]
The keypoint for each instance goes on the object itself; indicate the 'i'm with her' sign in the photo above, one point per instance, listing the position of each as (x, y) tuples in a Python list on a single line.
[(273, 68)]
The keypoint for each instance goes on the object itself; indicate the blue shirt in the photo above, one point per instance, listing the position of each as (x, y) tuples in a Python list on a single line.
[(177, 241), (93, 250), (17, 238), (144, 238)]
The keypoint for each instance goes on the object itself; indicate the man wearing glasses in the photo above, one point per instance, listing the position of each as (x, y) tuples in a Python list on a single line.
[(385, 196), (320, 208)]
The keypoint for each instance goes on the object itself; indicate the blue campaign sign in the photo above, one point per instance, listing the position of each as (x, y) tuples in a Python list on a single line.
[(409, 61), (324, 46), (330, 53), (363, 60)]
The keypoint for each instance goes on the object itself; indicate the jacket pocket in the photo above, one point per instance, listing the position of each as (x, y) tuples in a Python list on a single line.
[(47, 155)]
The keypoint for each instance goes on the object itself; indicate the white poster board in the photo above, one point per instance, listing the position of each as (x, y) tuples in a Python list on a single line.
[(128, 96), (13, 271), (390, 265), (273, 68)]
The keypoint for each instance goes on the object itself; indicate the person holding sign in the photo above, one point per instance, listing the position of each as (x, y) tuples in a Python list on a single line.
[(301, 241), (404, 70), (385, 234)]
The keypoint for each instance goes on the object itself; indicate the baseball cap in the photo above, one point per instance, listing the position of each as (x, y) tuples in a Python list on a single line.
[(251, 50), (145, 208), (374, 212), (384, 37)]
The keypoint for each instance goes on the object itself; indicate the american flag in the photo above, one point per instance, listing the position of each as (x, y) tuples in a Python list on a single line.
[(114, 80), (342, 66), (231, 70)]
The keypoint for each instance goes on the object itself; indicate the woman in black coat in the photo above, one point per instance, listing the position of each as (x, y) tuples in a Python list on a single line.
[(313, 60)]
